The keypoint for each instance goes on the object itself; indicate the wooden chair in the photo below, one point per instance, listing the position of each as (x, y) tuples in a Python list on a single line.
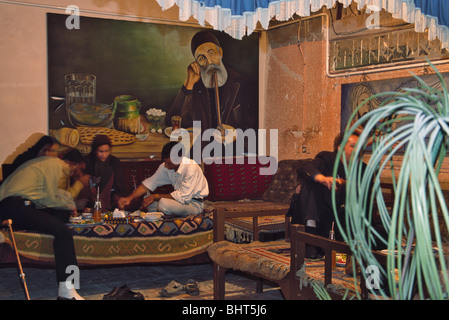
[(219, 217), (299, 240)]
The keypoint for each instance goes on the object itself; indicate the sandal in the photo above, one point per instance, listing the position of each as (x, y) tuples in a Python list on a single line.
[(172, 289), (192, 287)]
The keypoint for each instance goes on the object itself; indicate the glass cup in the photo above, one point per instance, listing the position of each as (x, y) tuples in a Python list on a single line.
[(80, 88), (175, 122)]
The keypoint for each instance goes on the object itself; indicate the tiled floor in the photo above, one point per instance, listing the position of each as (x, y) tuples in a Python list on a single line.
[(146, 279)]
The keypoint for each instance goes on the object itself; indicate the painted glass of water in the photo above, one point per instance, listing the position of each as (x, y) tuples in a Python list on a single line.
[(80, 88)]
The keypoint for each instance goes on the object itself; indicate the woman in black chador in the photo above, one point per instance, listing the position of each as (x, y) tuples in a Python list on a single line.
[(106, 175)]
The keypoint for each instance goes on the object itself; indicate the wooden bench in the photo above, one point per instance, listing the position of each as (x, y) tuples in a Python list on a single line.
[(248, 258)]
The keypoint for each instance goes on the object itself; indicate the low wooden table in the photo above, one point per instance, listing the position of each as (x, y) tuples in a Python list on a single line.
[(253, 210)]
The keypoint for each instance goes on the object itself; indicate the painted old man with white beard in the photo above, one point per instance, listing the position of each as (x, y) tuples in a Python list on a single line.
[(196, 101)]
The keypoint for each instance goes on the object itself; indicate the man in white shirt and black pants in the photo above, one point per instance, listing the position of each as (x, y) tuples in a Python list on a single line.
[(186, 177)]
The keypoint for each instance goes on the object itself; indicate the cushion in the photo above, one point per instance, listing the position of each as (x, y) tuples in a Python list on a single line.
[(246, 258), (272, 261), (236, 181), (170, 239), (285, 181)]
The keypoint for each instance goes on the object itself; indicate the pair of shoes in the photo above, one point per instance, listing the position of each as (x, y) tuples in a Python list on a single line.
[(172, 289), (129, 295), (192, 287), (111, 295), (123, 293)]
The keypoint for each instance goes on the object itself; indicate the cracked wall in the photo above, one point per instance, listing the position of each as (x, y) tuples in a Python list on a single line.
[(301, 100)]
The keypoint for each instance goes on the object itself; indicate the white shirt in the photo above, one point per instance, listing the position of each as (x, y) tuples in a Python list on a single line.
[(188, 181)]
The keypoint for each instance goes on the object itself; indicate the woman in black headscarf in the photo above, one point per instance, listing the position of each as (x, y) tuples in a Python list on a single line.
[(106, 174)]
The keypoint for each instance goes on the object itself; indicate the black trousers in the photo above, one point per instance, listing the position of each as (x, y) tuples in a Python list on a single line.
[(314, 202), (48, 221)]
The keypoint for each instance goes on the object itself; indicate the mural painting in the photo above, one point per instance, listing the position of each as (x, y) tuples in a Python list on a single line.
[(129, 79), (355, 94)]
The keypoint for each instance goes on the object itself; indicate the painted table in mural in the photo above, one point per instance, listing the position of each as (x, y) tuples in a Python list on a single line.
[(142, 145), (150, 147)]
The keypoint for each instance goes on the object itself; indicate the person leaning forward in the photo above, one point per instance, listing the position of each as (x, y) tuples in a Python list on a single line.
[(186, 177), (314, 206), (33, 199)]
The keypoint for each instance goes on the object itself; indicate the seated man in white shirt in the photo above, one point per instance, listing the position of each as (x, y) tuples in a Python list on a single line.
[(187, 178)]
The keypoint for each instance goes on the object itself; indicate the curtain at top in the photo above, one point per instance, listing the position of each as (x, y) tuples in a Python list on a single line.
[(239, 17), (433, 15), (435, 8), (238, 7)]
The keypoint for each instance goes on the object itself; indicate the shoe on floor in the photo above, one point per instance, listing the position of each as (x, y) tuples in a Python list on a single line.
[(172, 289), (123, 293), (192, 287), (111, 295), (129, 295)]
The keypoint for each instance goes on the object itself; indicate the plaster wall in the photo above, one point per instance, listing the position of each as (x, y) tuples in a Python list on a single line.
[(303, 103)]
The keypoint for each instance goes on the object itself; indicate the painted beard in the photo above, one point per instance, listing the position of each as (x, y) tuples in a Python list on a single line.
[(207, 75)]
